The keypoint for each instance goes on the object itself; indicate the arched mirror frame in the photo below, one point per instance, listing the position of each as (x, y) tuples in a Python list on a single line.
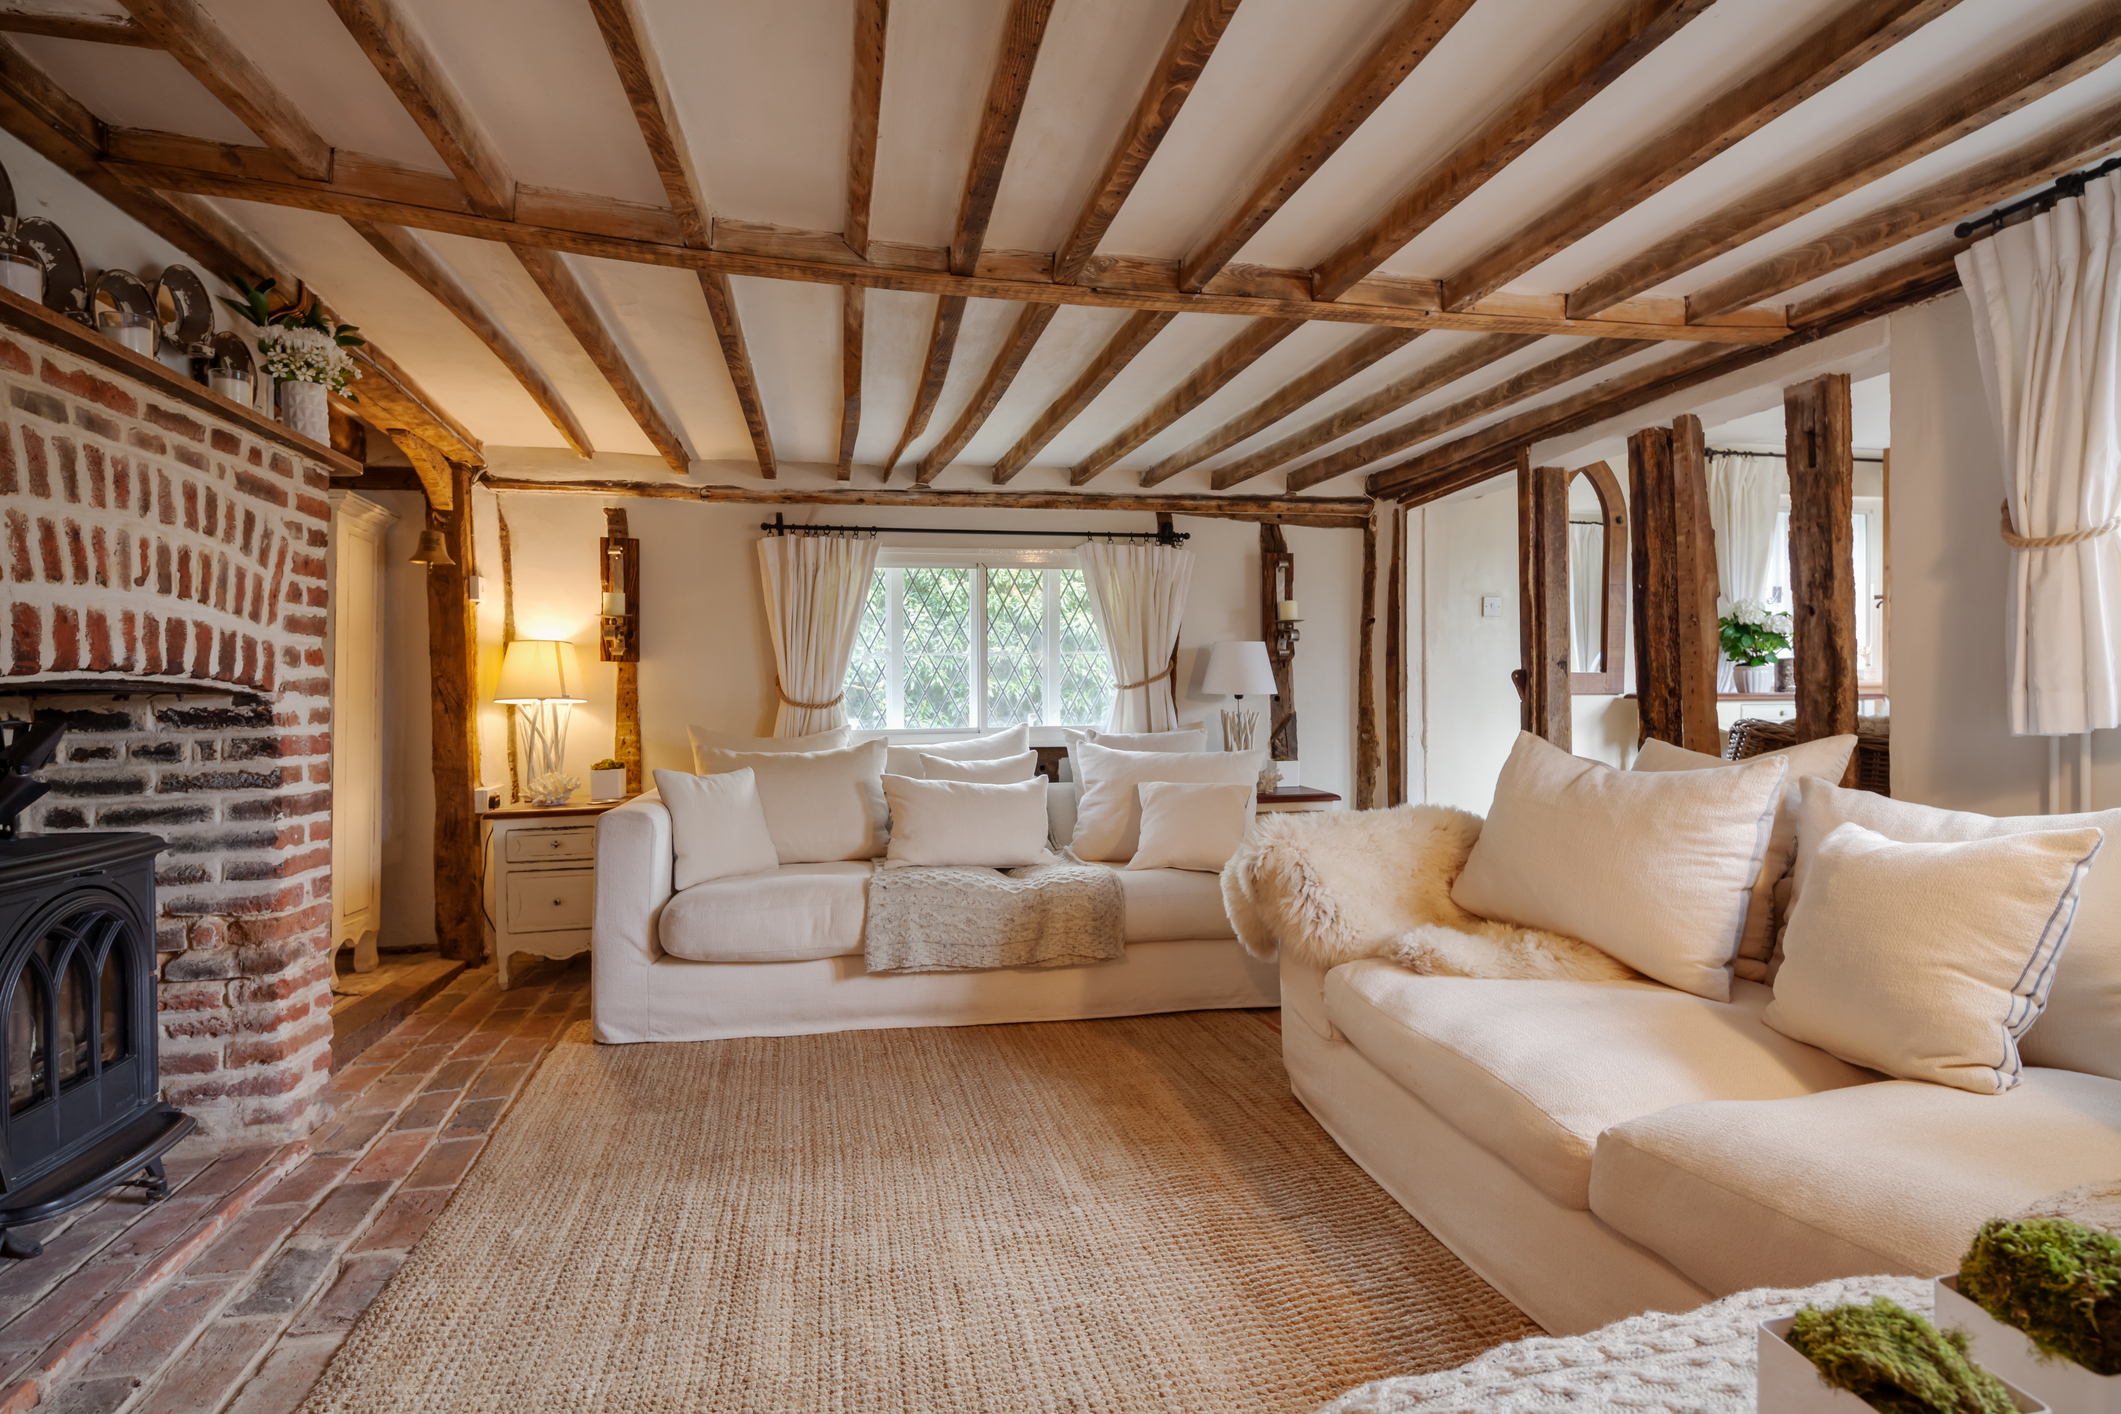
[(1613, 508)]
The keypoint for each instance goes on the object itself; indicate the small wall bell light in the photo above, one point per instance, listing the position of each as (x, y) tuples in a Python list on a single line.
[(433, 549), (541, 679)]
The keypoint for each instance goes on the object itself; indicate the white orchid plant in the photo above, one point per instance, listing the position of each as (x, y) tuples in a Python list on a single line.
[(1754, 635)]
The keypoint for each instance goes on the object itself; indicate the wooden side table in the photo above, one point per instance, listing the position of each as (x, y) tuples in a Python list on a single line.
[(1297, 798), (541, 875)]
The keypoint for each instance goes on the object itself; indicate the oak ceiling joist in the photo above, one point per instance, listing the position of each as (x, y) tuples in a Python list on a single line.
[(211, 57), (865, 112), (1837, 48), (96, 29), (648, 95), (2062, 52), (1291, 396), (1421, 26), (1193, 39), (1007, 364), (935, 368), (564, 291), (1467, 359), (851, 303), (1194, 389), (410, 408), (1626, 33), (432, 101), (409, 254), (1119, 351)]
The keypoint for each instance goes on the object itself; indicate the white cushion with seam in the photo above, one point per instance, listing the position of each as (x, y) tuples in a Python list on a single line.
[(794, 913), (1108, 804), (1001, 771), (1168, 904), (1534, 1072), (1194, 738), (1826, 758), (705, 740), (1010, 741), (717, 826), (820, 805), (1194, 825), (967, 823)]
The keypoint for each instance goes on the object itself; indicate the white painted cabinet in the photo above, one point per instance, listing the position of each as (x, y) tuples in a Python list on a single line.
[(541, 880), (353, 644)]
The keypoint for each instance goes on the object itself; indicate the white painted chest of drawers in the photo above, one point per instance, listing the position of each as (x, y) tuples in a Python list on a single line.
[(540, 881)]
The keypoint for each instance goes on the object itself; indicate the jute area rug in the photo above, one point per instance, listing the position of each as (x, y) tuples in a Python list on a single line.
[(1080, 1216)]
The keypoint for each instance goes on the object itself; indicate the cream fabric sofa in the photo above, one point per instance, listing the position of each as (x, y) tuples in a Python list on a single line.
[(1599, 1149), (779, 953)]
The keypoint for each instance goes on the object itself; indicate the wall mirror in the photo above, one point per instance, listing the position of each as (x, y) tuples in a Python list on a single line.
[(1598, 585)]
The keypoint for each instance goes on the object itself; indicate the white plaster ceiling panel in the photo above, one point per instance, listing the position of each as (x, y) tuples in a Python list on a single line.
[(980, 337), (659, 317), (938, 58), (1183, 345), (1075, 335), (1870, 420), (761, 92), (1287, 361), (793, 332), (134, 88), (1095, 60), (895, 330)]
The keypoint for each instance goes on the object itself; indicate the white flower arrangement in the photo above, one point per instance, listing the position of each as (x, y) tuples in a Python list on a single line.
[(304, 355), (1752, 635)]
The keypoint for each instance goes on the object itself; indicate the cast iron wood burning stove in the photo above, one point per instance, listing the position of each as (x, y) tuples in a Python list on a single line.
[(78, 1066)]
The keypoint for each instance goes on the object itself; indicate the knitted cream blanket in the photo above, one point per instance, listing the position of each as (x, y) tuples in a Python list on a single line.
[(952, 918)]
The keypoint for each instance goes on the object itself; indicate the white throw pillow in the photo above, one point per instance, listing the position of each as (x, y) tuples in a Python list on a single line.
[(1929, 961), (1108, 811), (1191, 825), (967, 822), (1654, 868), (1193, 738), (906, 760), (1826, 758), (2081, 1028), (820, 805), (717, 826), (1001, 771), (705, 740)]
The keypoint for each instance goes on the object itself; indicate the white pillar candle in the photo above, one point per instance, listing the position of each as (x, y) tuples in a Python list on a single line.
[(234, 389), (1286, 611), (140, 338), (615, 601), (24, 278)]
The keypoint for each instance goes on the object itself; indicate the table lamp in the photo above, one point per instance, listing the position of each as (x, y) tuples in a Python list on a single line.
[(542, 681), (1235, 669)]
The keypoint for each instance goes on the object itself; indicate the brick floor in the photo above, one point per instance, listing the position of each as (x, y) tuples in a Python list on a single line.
[(230, 1296)]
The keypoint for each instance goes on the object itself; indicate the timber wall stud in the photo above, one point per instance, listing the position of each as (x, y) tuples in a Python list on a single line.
[(1543, 600), (452, 639), (619, 643), (1822, 464), (1277, 581), (1675, 587)]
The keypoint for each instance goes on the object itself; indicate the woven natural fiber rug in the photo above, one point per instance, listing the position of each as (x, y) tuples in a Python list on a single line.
[(1081, 1216)]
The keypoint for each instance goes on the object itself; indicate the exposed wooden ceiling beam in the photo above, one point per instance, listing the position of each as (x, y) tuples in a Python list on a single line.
[(572, 303), (190, 34), (386, 386), (1629, 30), (851, 302), (1007, 364), (935, 368), (410, 255), (1194, 389), (1583, 358), (1366, 350), (1460, 362), (423, 87), (2076, 143), (736, 354), (1417, 303), (1421, 26), (1119, 351), (865, 111), (1021, 38), (428, 464), (2062, 52), (97, 29), (1835, 49), (1193, 39)]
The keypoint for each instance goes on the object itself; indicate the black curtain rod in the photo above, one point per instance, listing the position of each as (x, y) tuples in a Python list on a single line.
[(2069, 184), (779, 526), (1742, 452)]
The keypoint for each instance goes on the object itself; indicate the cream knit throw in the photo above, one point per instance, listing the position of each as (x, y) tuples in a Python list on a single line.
[(1333, 886), (948, 919), (1699, 1361)]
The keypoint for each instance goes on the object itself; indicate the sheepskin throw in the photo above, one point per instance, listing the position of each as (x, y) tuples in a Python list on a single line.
[(1333, 886)]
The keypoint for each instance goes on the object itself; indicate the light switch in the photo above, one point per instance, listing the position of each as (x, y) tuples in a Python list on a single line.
[(1491, 606)]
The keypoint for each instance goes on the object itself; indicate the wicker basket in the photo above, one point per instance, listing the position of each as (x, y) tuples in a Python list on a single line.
[(1874, 748)]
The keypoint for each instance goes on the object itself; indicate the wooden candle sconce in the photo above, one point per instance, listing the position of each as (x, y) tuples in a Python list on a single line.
[(1277, 581), (619, 635)]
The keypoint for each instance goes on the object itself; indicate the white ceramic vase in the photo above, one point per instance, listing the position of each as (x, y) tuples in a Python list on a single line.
[(304, 410), (1726, 674), (607, 785), (1760, 679)]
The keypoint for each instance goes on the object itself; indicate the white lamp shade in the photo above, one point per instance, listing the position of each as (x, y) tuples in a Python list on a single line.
[(1238, 670), (539, 670)]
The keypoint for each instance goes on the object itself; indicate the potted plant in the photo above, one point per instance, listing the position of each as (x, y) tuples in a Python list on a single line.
[(1879, 1356), (2041, 1299), (607, 779), (1753, 637), (305, 353)]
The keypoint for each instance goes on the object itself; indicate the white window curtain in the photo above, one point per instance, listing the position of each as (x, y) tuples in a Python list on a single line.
[(2047, 322), (1745, 493), (1137, 599), (815, 587), (1587, 597)]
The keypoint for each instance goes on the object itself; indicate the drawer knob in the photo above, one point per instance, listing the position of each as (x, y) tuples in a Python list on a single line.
[(555, 903)]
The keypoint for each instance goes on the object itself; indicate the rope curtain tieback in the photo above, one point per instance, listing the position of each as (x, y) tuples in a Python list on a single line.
[(2043, 542), (810, 706), (1130, 686)]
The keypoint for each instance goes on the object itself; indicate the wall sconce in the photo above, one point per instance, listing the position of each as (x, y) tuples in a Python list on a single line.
[(542, 681), (1287, 615)]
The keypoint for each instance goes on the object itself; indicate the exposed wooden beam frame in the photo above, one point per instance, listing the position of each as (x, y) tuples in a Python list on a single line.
[(1819, 442), (1579, 360), (852, 300), (1194, 389), (95, 29), (1396, 684), (1021, 38), (865, 112), (1627, 32), (435, 472), (1193, 39), (1368, 757), (2057, 55), (1007, 364), (1460, 362), (211, 57), (414, 409), (1542, 675), (1845, 42), (1674, 574), (571, 301), (1357, 356), (736, 356), (935, 369), (453, 650), (1421, 26), (410, 255), (423, 87), (1119, 351), (1336, 513)]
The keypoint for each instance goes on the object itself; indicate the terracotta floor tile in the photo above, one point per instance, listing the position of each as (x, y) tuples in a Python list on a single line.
[(391, 1091), (427, 1112), (361, 1280), (518, 1050), (421, 1059), (163, 1224), (446, 1163), (403, 1219), (475, 1117), (200, 1380), (92, 1396), (354, 1079), (162, 1329), (345, 1210), (315, 1176), (283, 1381), (454, 1075), (393, 1157), (293, 1276), (247, 1241), (353, 1133)]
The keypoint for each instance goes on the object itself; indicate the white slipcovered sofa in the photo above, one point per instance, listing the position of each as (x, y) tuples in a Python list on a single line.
[(779, 953)]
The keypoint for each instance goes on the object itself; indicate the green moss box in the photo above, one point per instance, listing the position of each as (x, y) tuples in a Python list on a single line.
[(2066, 1387), (1790, 1384)]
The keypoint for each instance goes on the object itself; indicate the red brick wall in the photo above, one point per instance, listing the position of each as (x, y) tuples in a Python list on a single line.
[(182, 560)]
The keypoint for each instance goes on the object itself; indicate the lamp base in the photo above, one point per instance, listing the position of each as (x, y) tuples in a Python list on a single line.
[(1238, 729)]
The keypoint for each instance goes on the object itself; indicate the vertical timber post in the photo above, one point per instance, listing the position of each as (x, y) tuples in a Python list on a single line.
[(1277, 581), (452, 641), (1366, 743), (1698, 587), (624, 652), (1822, 463), (1396, 662), (1543, 600)]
